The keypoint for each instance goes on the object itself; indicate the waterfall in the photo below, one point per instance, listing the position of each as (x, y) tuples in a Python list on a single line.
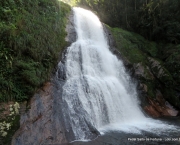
[(97, 92)]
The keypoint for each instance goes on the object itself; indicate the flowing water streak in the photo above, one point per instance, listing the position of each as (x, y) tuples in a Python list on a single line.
[(97, 87)]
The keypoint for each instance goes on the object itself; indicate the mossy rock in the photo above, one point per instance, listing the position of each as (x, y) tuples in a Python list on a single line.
[(134, 46), (128, 49), (143, 71), (160, 72), (153, 73)]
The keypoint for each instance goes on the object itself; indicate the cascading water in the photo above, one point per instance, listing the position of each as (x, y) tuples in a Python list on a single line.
[(90, 95), (97, 76), (98, 93)]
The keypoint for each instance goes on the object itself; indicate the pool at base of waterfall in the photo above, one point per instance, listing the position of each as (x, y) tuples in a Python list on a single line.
[(121, 138), (112, 137)]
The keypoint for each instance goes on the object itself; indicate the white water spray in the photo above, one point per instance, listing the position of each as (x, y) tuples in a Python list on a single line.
[(98, 84)]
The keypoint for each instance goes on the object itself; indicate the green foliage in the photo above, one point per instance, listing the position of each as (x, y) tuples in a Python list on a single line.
[(171, 56), (159, 21), (134, 46), (9, 121), (14, 127), (70, 2), (31, 38), (156, 20)]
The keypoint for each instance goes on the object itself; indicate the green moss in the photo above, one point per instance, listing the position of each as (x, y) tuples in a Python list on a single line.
[(126, 44), (136, 49), (134, 46), (164, 63), (32, 35), (151, 48), (151, 89)]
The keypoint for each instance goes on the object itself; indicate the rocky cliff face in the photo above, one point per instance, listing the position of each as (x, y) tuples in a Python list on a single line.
[(154, 81), (38, 125), (43, 123)]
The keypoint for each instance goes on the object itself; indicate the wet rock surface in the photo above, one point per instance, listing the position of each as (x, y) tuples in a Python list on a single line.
[(38, 125), (159, 107), (71, 35), (47, 120)]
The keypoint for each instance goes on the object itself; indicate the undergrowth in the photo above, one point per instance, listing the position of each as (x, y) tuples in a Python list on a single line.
[(31, 38)]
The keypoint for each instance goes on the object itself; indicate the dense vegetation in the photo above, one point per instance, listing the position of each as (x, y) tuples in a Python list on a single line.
[(156, 20), (31, 38), (32, 32)]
